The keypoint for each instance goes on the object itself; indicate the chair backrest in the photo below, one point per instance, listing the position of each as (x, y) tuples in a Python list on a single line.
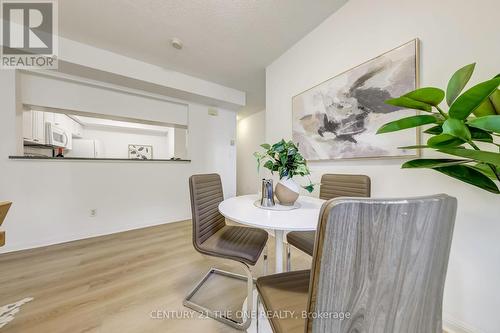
[(4, 208), (206, 194), (343, 185), (383, 262)]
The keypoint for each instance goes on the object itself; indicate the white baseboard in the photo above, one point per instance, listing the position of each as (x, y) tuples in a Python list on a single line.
[(453, 325), (59, 239)]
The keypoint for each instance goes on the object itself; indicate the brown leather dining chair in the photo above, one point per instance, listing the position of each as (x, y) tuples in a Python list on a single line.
[(4, 209), (213, 237), (332, 186), (379, 266)]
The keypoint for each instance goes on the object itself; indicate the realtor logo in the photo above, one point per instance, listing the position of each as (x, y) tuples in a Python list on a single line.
[(29, 34)]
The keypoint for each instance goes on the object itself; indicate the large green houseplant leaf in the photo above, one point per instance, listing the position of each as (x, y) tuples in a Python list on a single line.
[(487, 123), (473, 98), (408, 122), (470, 130), (429, 95), (471, 176), (458, 82)]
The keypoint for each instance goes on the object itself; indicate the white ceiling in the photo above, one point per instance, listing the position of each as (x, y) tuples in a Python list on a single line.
[(225, 41)]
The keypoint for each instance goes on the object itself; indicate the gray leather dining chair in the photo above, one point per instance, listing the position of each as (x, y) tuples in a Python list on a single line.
[(332, 186), (213, 237), (379, 266)]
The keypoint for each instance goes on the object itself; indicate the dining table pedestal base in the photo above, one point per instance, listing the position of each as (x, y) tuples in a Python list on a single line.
[(279, 250)]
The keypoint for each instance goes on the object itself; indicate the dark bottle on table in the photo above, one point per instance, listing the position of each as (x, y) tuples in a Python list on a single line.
[(60, 152)]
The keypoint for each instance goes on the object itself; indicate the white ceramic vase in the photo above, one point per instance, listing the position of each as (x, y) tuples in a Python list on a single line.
[(287, 191)]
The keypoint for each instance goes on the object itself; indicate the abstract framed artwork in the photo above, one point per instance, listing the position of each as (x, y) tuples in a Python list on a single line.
[(140, 152), (339, 118)]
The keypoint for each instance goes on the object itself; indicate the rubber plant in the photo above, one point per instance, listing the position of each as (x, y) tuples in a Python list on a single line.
[(284, 158), (467, 131)]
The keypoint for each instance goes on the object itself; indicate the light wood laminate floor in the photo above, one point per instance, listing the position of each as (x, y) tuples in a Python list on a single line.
[(114, 283)]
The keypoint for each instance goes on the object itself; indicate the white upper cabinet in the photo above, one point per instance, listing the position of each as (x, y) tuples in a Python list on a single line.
[(34, 127), (49, 117), (27, 126), (63, 121), (77, 130), (38, 127)]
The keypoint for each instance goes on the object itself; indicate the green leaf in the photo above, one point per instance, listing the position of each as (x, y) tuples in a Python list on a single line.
[(298, 158), (428, 95), (302, 170), (283, 158), (408, 103), (480, 135), (469, 175), (279, 147), (470, 100), (292, 151), (414, 147), (309, 188), (444, 140), (432, 163), (485, 169), (438, 129), (478, 155), (457, 129), (495, 100), (458, 81), (407, 122), (487, 123), (283, 173), (485, 109), (269, 165)]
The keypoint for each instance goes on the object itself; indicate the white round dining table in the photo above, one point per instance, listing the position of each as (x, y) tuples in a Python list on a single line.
[(241, 209)]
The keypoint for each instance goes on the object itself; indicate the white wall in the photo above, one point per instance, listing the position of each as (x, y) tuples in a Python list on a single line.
[(115, 142), (75, 94), (250, 135), (181, 145), (52, 199), (452, 33)]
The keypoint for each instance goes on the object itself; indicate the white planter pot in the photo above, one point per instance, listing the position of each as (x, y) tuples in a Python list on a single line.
[(287, 192)]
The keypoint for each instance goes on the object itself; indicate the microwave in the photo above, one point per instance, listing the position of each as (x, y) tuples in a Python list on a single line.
[(55, 136)]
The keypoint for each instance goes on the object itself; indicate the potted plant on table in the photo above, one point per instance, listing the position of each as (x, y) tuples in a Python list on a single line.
[(469, 130), (285, 159)]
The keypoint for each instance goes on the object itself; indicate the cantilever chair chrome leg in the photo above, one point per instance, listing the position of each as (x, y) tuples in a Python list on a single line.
[(288, 258), (257, 311), (247, 316), (266, 261)]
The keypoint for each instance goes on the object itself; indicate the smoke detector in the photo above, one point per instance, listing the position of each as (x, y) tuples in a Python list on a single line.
[(176, 43)]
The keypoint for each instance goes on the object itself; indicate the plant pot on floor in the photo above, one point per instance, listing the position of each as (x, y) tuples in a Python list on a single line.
[(287, 192)]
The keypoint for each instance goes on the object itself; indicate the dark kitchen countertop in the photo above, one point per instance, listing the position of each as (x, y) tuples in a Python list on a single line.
[(90, 159)]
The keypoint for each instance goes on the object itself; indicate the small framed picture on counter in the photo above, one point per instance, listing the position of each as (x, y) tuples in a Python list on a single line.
[(140, 152)]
